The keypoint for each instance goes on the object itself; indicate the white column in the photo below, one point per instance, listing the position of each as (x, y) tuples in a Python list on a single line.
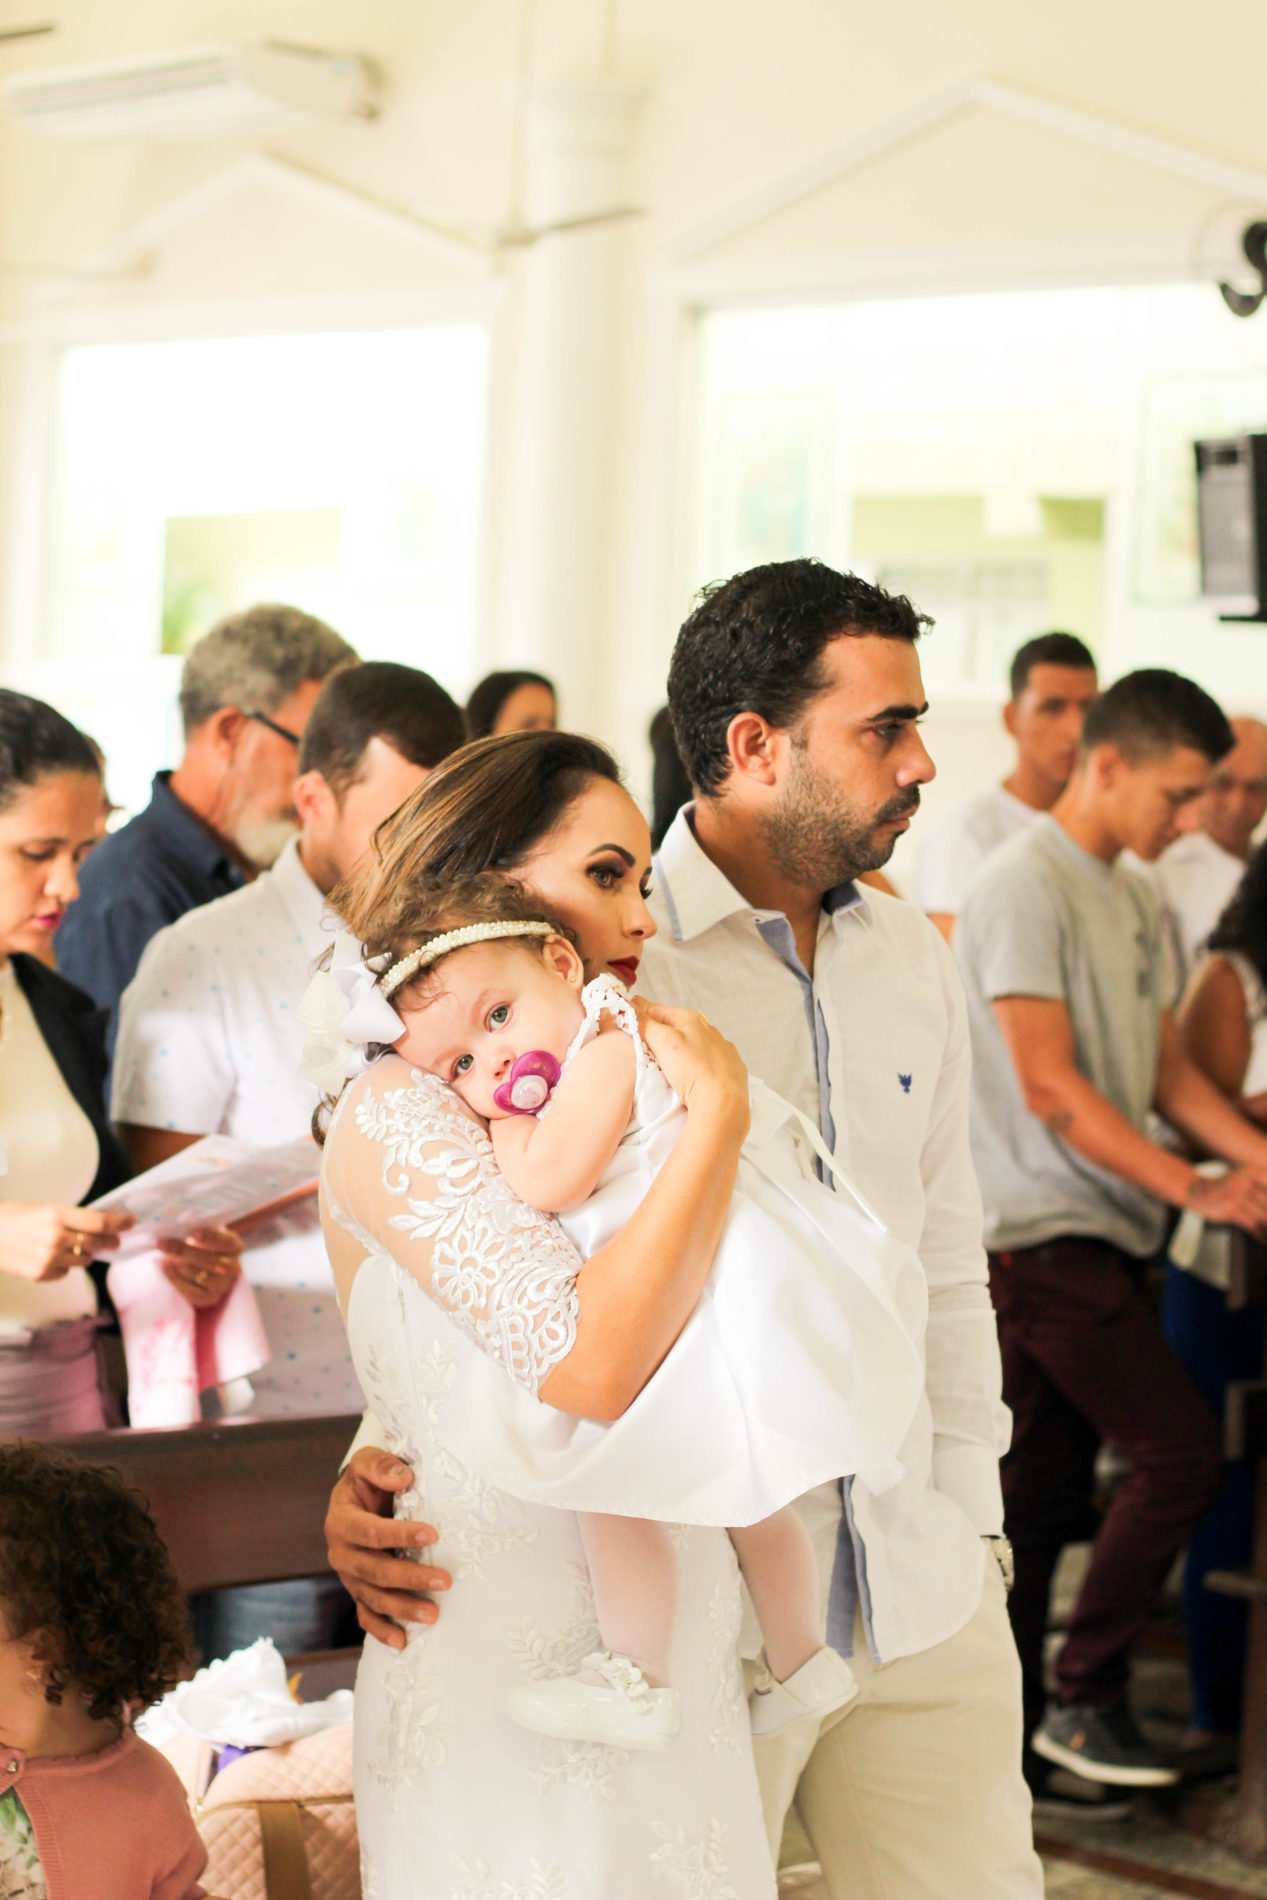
[(567, 325)]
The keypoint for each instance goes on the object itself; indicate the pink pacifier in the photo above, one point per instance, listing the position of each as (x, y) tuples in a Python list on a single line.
[(528, 1087)]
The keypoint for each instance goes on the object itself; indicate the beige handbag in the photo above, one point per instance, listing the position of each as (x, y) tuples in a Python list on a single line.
[(280, 1823)]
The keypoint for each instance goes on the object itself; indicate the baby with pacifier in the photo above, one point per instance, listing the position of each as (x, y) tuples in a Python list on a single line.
[(802, 1362)]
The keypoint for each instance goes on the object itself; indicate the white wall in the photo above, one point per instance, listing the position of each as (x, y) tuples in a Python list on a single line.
[(734, 95)]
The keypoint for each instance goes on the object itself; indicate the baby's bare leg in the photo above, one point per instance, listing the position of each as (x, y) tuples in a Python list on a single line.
[(634, 1574), (777, 1560)]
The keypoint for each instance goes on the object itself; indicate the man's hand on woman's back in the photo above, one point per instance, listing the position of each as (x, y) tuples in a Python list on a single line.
[(367, 1548)]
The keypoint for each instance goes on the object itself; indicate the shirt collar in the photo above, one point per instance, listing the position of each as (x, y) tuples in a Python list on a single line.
[(186, 831), (698, 895), (1049, 829), (303, 903)]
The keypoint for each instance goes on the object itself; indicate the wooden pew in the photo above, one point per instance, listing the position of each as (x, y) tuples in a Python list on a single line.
[(241, 1501)]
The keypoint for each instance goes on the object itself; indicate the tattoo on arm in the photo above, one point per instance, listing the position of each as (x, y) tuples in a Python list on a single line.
[(1060, 1122)]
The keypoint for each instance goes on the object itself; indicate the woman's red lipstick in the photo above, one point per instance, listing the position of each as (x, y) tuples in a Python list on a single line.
[(626, 968)]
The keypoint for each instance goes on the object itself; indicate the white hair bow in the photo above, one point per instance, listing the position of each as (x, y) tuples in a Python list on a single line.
[(344, 1011)]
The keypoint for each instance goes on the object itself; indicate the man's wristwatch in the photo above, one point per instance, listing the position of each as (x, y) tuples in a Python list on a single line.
[(1002, 1548)]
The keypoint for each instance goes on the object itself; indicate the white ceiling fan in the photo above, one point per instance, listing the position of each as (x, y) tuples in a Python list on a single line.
[(515, 232)]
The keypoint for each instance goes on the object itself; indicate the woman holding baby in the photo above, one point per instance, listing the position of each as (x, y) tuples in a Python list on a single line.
[(532, 1740)]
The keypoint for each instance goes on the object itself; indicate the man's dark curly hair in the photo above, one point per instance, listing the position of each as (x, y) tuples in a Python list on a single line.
[(81, 1562), (755, 644)]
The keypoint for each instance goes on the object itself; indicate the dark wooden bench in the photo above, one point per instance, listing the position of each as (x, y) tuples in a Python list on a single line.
[(242, 1501)]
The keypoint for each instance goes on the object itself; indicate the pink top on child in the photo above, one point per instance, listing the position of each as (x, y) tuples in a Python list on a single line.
[(110, 1826)]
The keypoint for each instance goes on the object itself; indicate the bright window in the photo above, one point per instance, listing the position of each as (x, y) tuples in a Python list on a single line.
[(338, 472), (1016, 461)]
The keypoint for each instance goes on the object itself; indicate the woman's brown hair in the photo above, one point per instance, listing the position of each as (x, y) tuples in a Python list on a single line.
[(446, 858), (485, 809)]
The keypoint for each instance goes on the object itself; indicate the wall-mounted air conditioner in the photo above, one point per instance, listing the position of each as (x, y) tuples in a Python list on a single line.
[(200, 92)]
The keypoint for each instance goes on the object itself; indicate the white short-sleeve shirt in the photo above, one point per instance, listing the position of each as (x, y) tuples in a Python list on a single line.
[(1194, 881), (961, 841), (210, 1043)]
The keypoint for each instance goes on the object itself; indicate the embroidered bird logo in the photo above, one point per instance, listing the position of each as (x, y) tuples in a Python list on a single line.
[(905, 1080)]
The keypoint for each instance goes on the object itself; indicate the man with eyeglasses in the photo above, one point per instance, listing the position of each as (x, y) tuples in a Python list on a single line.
[(228, 809)]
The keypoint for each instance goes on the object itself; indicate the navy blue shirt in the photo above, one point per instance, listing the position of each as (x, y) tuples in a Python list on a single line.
[(151, 871)]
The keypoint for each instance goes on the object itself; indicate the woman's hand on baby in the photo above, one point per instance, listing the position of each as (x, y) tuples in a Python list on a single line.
[(39, 1241), (203, 1266), (367, 1545), (700, 1065)]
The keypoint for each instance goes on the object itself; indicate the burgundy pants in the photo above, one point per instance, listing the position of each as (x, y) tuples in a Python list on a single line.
[(1084, 1360)]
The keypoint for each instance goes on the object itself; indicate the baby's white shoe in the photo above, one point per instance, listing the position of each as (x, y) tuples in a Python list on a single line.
[(622, 1710), (824, 1683)]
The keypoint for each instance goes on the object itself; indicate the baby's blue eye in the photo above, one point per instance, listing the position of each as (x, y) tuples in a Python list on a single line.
[(463, 1065), (497, 1018)]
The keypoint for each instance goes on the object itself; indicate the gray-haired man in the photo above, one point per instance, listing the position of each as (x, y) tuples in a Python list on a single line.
[(226, 811)]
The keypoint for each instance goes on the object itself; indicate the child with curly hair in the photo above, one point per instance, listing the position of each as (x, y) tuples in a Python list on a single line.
[(92, 1630)]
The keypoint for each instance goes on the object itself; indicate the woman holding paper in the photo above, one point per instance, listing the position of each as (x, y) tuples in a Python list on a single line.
[(57, 1149)]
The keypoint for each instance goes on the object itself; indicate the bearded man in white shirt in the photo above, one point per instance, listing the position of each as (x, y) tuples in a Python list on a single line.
[(795, 693)]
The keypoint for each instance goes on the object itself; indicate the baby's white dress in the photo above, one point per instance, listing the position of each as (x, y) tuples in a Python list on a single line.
[(802, 1363)]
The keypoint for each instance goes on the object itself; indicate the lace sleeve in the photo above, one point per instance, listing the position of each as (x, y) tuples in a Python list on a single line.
[(407, 1166)]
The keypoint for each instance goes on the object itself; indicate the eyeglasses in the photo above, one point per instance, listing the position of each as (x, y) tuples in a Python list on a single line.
[(283, 732)]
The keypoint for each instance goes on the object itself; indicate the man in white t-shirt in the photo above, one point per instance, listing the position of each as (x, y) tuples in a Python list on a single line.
[(209, 1036), (1053, 680), (210, 1043), (1196, 877)]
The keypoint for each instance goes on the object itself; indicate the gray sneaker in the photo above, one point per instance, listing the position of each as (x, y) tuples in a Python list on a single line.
[(1055, 1793), (1101, 1742)]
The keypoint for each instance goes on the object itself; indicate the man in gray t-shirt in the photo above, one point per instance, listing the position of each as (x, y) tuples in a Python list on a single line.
[(1046, 918), (1060, 948)]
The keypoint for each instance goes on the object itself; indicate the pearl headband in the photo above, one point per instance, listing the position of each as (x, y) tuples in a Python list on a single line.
[(345, 1009), (408, 966)]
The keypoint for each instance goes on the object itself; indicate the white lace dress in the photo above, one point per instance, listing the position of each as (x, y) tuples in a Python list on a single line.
[(454, 1802)]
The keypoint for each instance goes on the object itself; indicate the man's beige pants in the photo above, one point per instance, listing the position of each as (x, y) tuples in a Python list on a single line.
[(915, 1792)]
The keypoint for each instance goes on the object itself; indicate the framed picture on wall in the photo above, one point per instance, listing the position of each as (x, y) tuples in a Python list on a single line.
[(1174, 412)]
